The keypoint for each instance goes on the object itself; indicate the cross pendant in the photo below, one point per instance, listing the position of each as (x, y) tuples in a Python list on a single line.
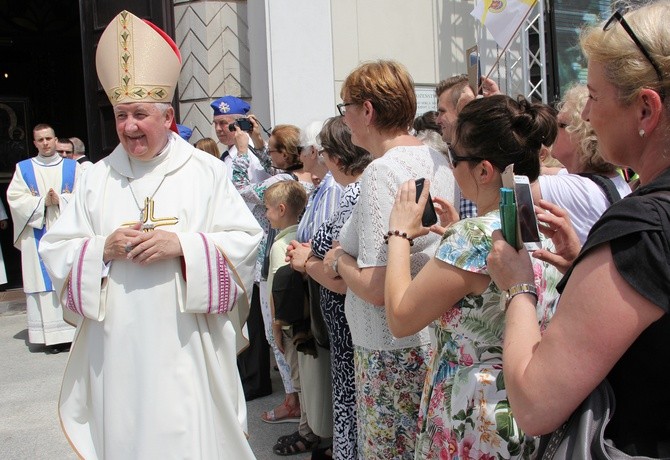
[(149, 222)]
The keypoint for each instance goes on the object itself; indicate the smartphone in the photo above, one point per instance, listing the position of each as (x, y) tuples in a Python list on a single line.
[(429, 216), (243, 123), (525, 210), (474, 70)]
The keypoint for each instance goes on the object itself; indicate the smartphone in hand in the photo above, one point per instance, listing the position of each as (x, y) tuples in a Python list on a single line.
[(429, 216), (525, 210)]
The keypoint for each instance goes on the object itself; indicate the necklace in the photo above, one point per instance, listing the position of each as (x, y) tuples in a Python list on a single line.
[(151, 198)]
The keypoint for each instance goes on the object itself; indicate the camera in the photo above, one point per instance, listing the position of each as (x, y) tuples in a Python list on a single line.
[(243, 123)]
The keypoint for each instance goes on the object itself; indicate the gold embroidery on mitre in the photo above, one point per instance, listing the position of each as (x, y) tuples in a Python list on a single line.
[(127, 88)]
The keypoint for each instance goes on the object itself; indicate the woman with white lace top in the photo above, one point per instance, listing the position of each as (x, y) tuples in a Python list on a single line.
[(378, 106)]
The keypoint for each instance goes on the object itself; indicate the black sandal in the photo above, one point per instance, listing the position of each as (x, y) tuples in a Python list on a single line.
[(294, 444), (322, 453)]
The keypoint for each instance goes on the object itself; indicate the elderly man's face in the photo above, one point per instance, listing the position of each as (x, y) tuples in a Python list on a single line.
[(225, 135), (142, 128)]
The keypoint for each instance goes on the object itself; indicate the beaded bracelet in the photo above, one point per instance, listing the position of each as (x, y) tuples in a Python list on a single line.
[(399, 234)]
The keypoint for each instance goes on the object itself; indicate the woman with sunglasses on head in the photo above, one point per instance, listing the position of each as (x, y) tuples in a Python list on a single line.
[(464, 409), (379, 107), (612, 320)]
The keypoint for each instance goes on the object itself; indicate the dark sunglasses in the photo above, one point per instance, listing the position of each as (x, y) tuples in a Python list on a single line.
[(454, 159), (618, 17)]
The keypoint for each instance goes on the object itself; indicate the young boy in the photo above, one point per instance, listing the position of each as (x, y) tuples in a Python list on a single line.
[(285, 202)]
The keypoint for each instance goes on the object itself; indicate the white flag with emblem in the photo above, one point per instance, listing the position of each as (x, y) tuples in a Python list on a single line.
[(502, 18)]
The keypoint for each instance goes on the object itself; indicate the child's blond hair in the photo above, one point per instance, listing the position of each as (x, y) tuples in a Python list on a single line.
[(289, 193)]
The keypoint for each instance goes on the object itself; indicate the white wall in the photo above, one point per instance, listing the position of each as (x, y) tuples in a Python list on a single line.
[(292, 60)]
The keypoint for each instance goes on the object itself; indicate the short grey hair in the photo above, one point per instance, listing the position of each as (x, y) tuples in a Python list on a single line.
[(79, 147)]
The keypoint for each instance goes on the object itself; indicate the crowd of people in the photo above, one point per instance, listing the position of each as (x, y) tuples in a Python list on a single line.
[(393, 337)]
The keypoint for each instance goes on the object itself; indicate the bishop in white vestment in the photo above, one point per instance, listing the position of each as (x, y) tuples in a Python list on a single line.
[(156, 254)]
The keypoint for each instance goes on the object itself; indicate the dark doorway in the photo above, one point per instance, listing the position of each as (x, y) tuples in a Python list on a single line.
[(41, 81)]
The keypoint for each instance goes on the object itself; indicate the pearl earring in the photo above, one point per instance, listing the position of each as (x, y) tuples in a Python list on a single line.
[(641, 132)]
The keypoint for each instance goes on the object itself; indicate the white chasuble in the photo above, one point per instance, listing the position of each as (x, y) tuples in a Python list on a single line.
[(26, 197), (152, 371)]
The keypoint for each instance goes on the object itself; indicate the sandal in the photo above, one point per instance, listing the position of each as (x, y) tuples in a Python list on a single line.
[(322, 453), (294, 444), (291, 416)]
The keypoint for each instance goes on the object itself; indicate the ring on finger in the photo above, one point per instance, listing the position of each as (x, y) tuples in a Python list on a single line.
[(129, 247)]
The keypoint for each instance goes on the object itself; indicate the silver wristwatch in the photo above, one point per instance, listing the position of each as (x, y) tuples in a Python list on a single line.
[(521, 288)]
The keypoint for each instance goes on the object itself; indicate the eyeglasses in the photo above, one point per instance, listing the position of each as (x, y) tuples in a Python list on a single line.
[(618, 16), (342, 108), (454, 159)]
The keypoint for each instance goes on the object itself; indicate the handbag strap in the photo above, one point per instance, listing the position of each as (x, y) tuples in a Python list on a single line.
[(606, 184)]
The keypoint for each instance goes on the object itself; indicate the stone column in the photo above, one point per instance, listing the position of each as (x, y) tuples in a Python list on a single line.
[(212, 36)]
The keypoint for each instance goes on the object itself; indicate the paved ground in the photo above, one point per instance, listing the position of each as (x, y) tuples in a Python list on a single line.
[(30, 382)]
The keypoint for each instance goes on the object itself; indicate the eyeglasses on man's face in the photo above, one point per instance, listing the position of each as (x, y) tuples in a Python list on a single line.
[(454, 159), (618, 17), (342, 108)]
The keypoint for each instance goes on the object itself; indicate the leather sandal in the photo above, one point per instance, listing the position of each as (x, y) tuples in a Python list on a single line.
[(294, 444)]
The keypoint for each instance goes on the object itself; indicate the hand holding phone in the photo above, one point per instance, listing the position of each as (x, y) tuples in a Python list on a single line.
[(525, 209), (508, 216), (429, 216)]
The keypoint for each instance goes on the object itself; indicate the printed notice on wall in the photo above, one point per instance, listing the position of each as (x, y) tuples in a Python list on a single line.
[(425, 99)]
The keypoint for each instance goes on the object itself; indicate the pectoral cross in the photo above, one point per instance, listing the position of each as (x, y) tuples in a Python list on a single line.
[(149, 222)]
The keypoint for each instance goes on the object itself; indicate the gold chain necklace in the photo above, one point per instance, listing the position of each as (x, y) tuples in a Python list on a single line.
[(144, 209)]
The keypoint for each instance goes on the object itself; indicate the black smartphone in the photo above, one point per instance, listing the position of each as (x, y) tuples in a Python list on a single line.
[(525, 210), (243, 123), (429, 216)]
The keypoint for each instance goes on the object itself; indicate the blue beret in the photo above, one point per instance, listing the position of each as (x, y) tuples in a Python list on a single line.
[(185, 132), (229, 105)]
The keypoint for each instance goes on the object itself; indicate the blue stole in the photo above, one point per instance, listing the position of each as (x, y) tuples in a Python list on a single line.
[(28, 173)]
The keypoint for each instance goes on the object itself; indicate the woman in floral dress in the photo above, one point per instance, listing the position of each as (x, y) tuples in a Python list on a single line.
[(464, 409)]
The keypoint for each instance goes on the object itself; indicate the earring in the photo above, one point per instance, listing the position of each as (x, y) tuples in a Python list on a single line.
[(641, 132)]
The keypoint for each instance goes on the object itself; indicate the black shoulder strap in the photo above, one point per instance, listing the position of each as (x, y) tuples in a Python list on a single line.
[(606, 184)]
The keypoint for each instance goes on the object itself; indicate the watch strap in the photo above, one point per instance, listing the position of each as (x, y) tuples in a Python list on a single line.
[(520, 288)]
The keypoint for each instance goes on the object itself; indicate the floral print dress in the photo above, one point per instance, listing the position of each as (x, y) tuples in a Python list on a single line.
[(464, 408)]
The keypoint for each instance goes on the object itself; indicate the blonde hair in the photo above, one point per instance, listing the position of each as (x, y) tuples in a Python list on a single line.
[(207, 144), (389, 88), (571, 105), (624, 64), (289, 193)]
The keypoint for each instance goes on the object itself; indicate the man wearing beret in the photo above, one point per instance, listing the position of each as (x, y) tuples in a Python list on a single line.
[(156, 254), (227, 109)]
